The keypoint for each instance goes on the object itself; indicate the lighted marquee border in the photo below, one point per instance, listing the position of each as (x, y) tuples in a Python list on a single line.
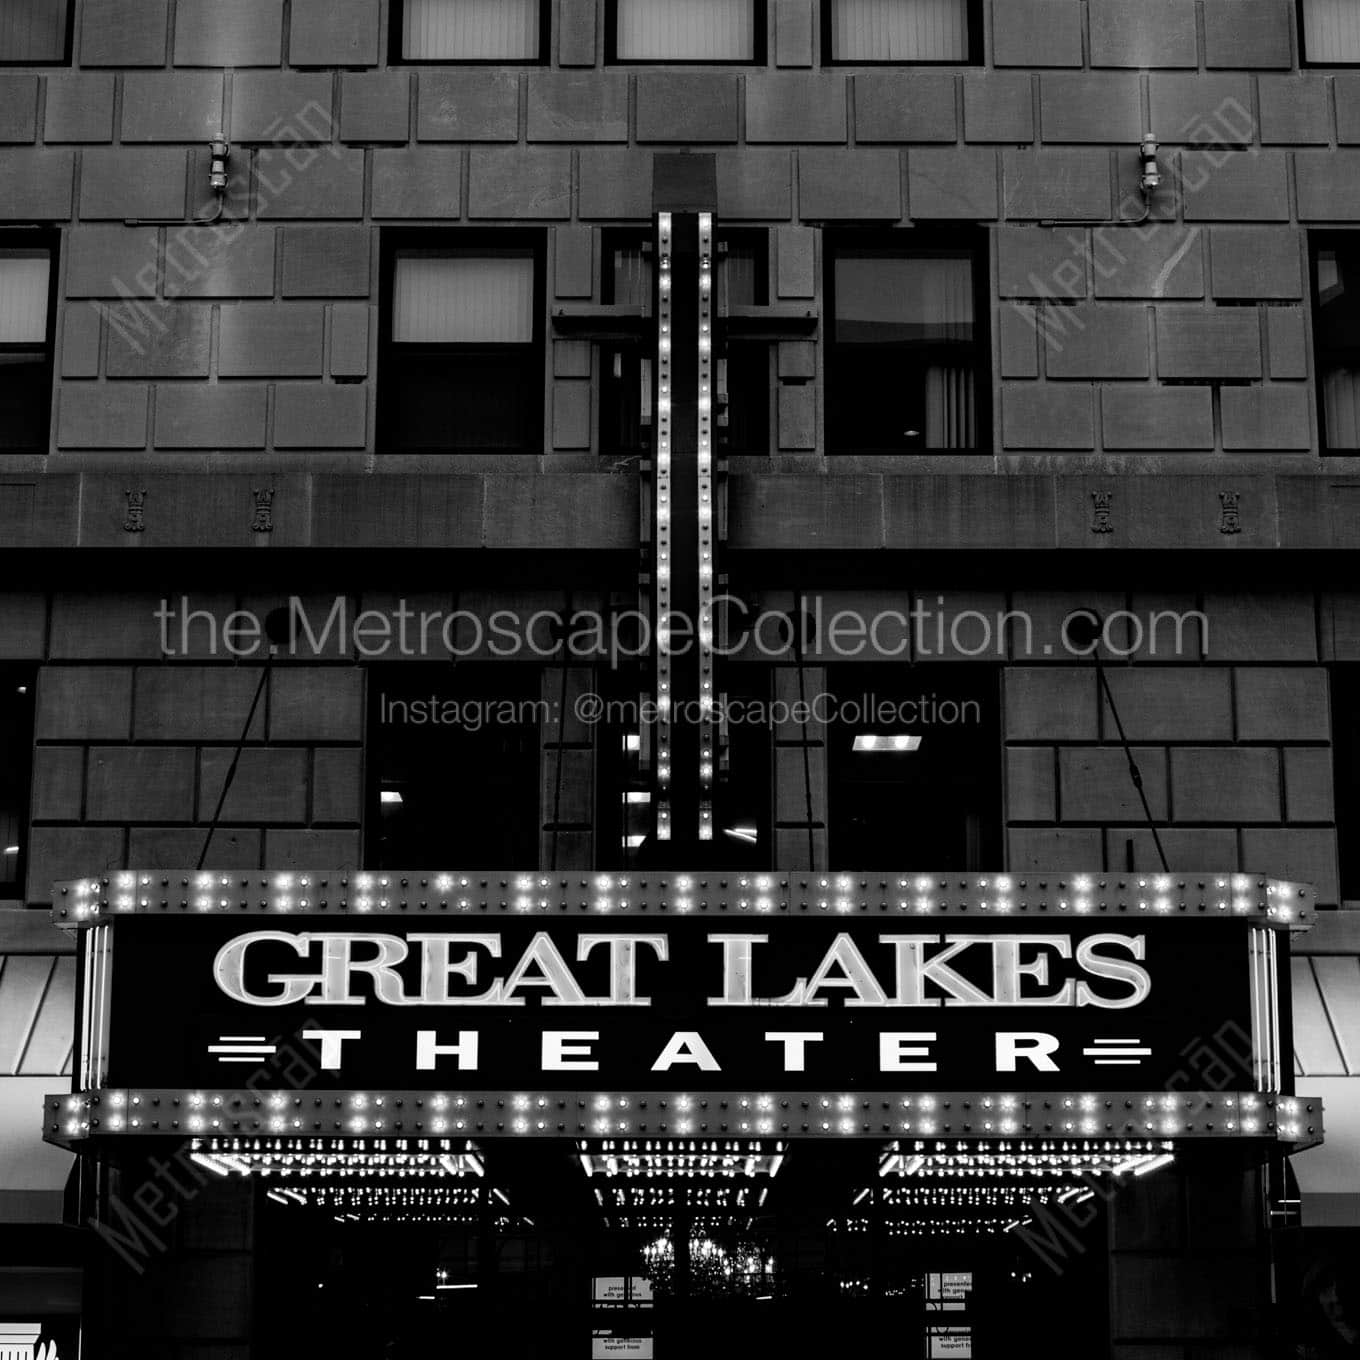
[(165, 892), (1072, 1117)]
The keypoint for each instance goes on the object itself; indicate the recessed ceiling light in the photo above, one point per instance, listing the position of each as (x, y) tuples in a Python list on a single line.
[(391, 798), (895, 741), (749, 834)]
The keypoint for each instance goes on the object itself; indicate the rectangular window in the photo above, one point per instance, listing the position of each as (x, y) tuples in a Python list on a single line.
[(462, 346), (35, 32), (469, 30), (1336, 338), (907, 366), (1329, 32), (16, 773), (901, 32), (27, 299), (686, 31)]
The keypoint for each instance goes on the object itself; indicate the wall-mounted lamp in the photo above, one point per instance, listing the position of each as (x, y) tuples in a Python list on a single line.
[(1147, 153), (217, 171), (219, 152)]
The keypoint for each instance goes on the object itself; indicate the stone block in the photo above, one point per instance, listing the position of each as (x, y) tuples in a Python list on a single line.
[(211, 416), (956, 183), (58, 783), (158, 847), (418, 181), (84, 703), (1261, 626), (569, 802), (311, 849), (23, 626), (572, 358), (349, 340), (571, 415), (326, 261), (175, 106), (1247, 33), (791, 785), (38, 185), (793, 27), (375, 107), (614, 183), (80, 340), (196, 703), (1192, 848), (1095, 784), (1234, 186), (337, 785), (1017, 325), (902, 107), (1222, 343), (687, 108), (317, 416), (244, 33), (289, 107), (1037, 262), (1163, 261), (1053, 849), (565, 106), (998, 106), (1295, 110), (1328, 185), (1036, 33), (123, 182), (334, 33), (1150, 33), (467, 106), (1046, 416), (1099, 340), (203, 263), (177, 346), (1031, 784), (1157, 418), (1251, 263), (79, 107), (849, 184), (123, 32), (1347, 90), (1057, 183), (58, 853), (755, 185), (311, 703), (1201, 110), (1270, 418), (1091, 108), (1308, 784), (795, 262), (270, 785), (797, 408), (790, 106), (18, 108), (97, 626), (1287, 342), (796, 359), (306, 181), (1298, 854), (280, 340), (1050, 703), (573, 262), (1225, 784), (102, 416), (527, 182), (576, 32), (112, 262), (140, 784)]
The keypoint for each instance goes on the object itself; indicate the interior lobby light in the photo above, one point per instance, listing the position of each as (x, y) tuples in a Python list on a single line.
[(898, 742)]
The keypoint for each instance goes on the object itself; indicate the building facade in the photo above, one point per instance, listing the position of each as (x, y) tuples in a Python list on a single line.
[(981, 381)]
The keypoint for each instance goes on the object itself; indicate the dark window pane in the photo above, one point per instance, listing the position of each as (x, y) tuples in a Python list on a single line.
[(885, 298), (625, 399), (747, 424), (464, 401), (627, 272), (33, 30), (25, 400), (16, 771)]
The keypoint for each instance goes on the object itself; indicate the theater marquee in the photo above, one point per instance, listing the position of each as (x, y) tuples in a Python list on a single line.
[(337, 1003)]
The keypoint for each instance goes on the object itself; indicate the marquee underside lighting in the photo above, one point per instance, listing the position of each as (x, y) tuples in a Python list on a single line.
[(672, 1159), (337, 1162), (108, 1114), (1036, 1162), (481, 893)]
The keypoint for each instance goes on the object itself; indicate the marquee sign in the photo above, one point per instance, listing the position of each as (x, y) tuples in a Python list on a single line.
[(524, 987)]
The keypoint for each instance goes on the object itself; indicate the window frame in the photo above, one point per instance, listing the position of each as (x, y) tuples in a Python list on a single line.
[(68, 47), (909, 242), (396, 57), (976, 43), (1318, 241), (461, 241), (760, 48), (12, 675), (1305, 61), (49, 239)]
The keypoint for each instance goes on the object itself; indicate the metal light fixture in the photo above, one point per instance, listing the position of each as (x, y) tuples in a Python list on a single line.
[(1151, 172)]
